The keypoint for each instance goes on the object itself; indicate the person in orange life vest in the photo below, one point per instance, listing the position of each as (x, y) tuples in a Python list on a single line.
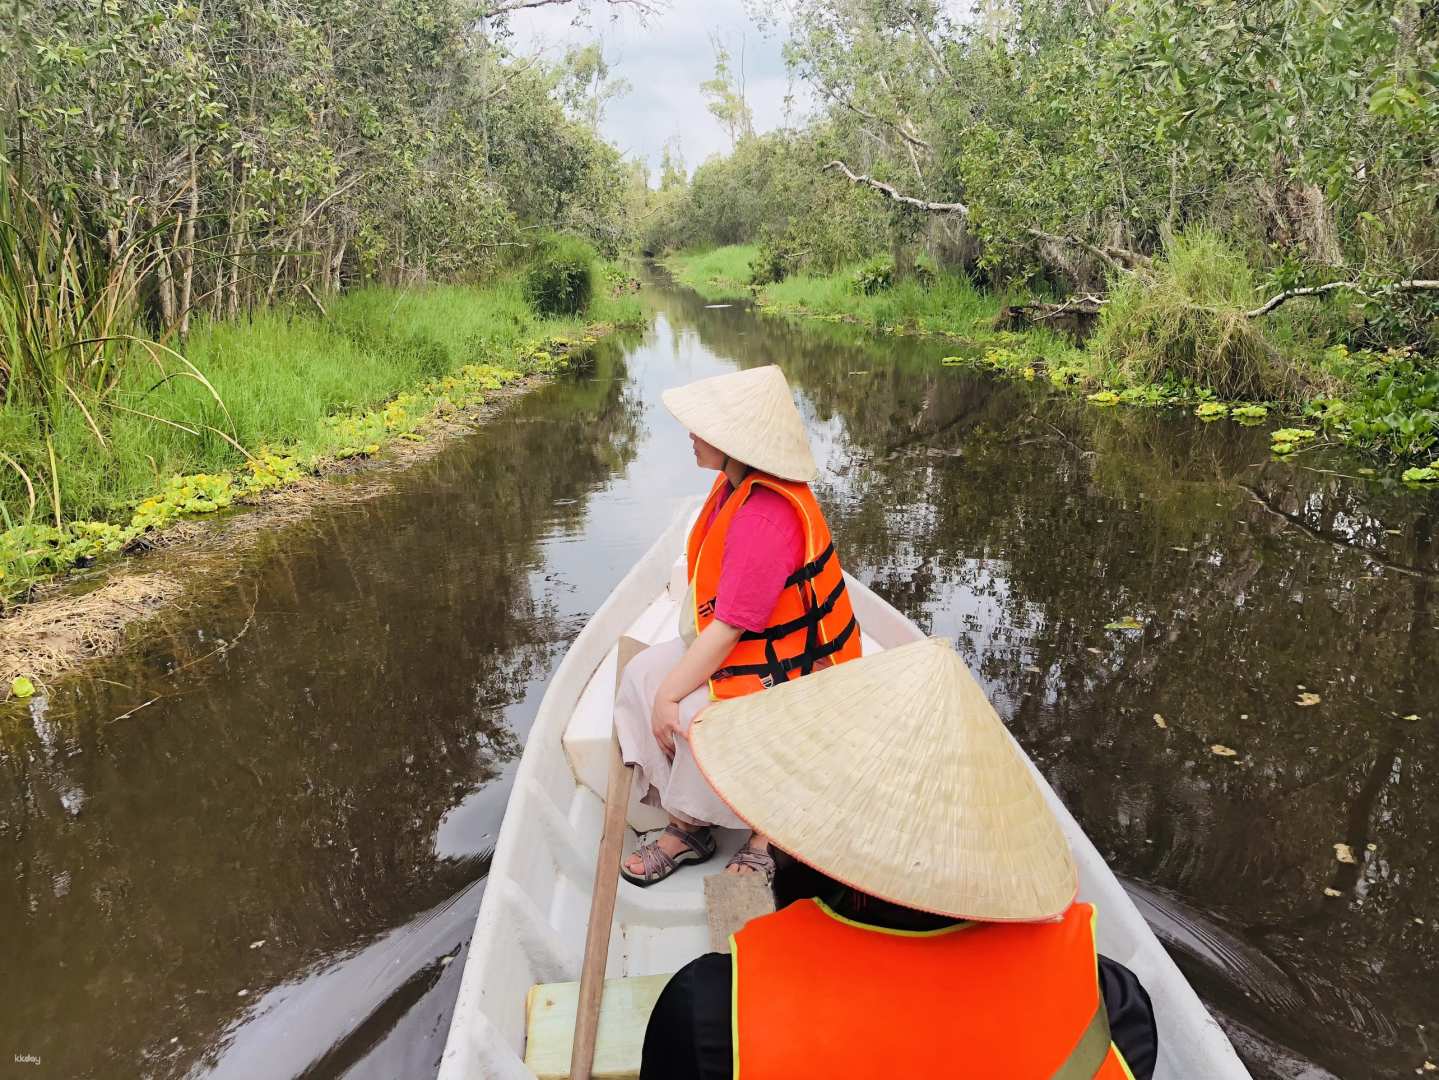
[(940, 935), (766, 604)]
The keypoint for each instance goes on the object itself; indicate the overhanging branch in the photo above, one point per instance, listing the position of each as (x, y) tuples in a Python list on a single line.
[(1412, 285), (1120, 259), (892, 192)]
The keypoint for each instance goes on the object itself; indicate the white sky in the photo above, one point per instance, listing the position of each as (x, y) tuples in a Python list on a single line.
[(664, 61)]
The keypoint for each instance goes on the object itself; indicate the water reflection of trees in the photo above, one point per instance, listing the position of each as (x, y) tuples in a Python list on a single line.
[(1022, 525), (289, 789)]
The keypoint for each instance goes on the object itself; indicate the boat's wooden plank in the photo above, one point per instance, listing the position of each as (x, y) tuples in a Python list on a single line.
[(624, 1013), (731, 900)]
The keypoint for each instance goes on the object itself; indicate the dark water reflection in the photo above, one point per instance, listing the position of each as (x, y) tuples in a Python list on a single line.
[(332, 785)]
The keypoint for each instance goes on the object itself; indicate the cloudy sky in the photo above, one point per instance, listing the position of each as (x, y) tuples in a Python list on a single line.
[(664, 61)]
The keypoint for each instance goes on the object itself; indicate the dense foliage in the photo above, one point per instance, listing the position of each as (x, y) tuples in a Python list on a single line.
[(1070, 139), (165, 165), (1175, 164)]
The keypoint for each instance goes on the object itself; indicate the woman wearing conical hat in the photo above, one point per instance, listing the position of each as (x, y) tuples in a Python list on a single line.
[(938, 935), (766, 604)]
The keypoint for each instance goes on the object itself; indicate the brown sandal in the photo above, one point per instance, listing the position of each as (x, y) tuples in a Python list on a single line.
[(658, 864), (757, 861)]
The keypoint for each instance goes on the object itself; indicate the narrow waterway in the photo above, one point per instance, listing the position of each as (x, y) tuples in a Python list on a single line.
[(271, 870)]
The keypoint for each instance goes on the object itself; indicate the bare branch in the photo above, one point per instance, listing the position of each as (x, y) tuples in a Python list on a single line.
[(1118, 258), (1412, 285), (505, 7), (893, 193)]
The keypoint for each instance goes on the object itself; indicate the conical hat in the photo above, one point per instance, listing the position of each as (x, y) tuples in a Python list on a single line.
[(893, 774), (750, 415)]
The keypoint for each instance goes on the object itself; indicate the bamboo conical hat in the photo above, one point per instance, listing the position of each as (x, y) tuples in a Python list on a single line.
[(893, 774), (750, 415)]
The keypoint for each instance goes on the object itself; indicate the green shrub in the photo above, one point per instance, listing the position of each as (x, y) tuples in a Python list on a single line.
[(773, 261), (875, 276), (1186, 323), (561, 280)]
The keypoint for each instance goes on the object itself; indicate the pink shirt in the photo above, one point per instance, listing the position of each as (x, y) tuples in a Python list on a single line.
[(765, 545)]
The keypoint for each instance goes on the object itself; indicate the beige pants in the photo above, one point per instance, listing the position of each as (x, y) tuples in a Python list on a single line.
[(677, 787)]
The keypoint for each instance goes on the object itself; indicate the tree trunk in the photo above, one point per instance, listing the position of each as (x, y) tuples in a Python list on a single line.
[(187, 249), (337, 264), (165, 284)]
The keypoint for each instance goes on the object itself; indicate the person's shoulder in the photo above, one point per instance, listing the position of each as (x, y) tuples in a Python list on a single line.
[(766, 503)]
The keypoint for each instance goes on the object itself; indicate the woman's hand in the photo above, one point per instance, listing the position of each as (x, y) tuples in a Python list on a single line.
[(665, 723)]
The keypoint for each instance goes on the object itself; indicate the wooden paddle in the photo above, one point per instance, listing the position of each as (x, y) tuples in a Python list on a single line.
[(602, 901)]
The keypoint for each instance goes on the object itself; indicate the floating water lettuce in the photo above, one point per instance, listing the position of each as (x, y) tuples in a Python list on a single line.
[(1287, 440), (1209, 411), (22, 687), (1104, 398), (1129, 622)]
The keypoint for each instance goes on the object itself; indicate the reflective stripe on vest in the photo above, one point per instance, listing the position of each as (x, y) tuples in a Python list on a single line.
[(819, 996), (812, 624)]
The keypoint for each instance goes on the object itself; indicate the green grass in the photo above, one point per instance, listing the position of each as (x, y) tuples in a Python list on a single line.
[(943, 305), (720, 274), (950, 305), (300, 387)]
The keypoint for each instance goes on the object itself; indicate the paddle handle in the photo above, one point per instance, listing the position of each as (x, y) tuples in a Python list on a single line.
[(602, 914)]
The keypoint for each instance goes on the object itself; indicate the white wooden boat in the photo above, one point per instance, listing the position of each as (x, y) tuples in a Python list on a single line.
[(531, 925)]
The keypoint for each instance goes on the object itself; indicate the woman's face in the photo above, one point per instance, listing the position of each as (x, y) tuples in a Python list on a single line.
[(706, 456)]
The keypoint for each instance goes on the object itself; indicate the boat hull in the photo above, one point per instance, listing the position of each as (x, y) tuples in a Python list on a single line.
[(531, 924)]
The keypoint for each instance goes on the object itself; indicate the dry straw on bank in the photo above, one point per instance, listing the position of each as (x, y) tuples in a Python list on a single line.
[(42, 640)]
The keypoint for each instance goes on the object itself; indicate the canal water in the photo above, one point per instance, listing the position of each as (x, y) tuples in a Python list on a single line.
[(272, 869)]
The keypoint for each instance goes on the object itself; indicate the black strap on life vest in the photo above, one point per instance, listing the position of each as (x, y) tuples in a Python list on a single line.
[(780, 669), (811, 569), (809, 620)]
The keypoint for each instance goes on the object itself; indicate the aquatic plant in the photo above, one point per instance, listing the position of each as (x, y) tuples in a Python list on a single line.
[(1104, 398), (1209, 411), (1398, 411), (1284, 441), (1249, 414)]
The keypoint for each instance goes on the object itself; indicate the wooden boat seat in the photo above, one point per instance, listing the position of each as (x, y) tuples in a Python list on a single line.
[(624, 1013)]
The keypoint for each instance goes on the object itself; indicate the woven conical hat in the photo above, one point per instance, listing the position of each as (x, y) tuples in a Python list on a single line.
[(893, 774), (750, 415)]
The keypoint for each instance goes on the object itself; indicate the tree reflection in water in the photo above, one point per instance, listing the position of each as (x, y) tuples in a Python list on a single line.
[(292, 789)]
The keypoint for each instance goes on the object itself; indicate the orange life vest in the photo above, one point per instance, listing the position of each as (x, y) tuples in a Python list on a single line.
[(812, 624), (817, 996)]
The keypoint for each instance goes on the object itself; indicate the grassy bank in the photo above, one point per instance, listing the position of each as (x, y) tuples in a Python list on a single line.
[(1178, 336), (255, 404)]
